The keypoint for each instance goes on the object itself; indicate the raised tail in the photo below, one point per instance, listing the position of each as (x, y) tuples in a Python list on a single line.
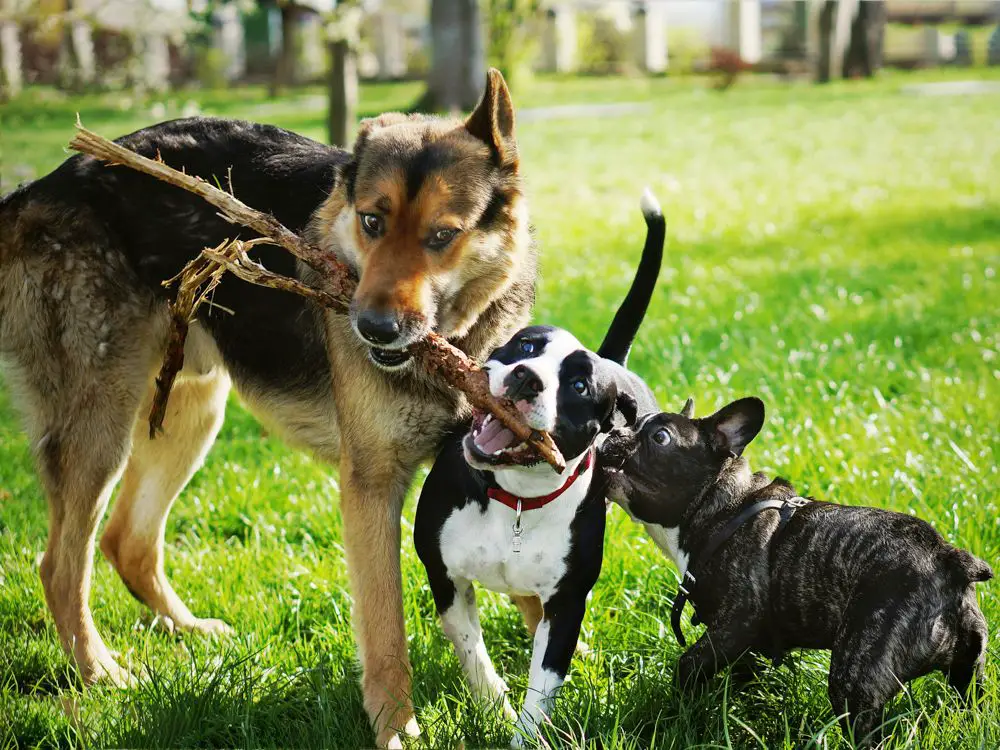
[(618, 340)]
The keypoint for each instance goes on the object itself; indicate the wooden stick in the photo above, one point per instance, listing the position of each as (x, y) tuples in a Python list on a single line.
[(335, 274), (202, 274)]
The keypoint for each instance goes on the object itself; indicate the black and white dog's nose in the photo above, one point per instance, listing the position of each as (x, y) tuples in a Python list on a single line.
[(378, 328), (523, 384)]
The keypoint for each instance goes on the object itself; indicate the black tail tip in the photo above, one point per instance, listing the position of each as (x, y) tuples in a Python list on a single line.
[(650, 206)]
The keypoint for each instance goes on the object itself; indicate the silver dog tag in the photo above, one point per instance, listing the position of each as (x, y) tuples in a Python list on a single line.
[(517, 530)]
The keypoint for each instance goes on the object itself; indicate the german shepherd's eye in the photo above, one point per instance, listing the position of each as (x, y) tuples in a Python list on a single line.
[(441, 238), (661, 436), (580, 386), (373, 224), (527, 346)]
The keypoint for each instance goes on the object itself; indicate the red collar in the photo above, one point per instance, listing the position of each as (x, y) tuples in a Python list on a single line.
[(534, 503)]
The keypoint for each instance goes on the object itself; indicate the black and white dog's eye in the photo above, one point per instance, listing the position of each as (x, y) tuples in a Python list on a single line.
[(527, 347), (661, 436), (372, 224), (580, 386)]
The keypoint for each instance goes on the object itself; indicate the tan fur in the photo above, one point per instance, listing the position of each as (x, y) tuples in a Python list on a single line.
[(156, 472), (531, 611), (82, 341)]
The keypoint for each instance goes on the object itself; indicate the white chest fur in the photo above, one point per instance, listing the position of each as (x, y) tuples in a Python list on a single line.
[(478, 545), (668, 540)]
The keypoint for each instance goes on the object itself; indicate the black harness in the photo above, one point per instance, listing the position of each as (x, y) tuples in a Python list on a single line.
[(685, 588)]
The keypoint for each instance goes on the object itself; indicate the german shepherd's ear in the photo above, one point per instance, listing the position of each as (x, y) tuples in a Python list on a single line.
[(493, 120)]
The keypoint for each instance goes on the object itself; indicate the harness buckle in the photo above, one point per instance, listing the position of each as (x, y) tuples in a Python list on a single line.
[(684, 579), (796, 502)]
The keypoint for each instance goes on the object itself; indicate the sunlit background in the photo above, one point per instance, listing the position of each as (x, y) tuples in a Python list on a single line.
[(830, 173)]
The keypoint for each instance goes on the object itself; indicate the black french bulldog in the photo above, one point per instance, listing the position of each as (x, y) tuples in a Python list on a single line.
[(769, 571)]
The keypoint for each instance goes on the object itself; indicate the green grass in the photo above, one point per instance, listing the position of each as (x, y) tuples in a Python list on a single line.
[(833, 250)]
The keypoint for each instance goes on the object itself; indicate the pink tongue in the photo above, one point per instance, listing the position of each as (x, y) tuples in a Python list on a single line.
[(494, 437)]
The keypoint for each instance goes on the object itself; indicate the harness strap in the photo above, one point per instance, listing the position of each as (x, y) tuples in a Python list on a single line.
[(787, 507)]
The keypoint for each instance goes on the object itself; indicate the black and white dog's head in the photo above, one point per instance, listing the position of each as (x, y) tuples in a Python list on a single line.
[(557, 384)]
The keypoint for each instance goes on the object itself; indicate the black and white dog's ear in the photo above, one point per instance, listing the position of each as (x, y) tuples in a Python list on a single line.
[(735, 425), (607, 407), (688, 410), (628, 408)]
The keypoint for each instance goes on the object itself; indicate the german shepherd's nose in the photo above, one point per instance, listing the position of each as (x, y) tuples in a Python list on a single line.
[(523, 384), (378, 328)]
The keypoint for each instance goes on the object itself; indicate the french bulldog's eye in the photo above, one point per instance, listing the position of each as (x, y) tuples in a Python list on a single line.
[(441, 238), (661, 436), (527, 346), (373, 224), (580, 386)]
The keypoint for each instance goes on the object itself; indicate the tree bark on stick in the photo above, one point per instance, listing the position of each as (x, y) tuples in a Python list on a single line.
[(434, 353)]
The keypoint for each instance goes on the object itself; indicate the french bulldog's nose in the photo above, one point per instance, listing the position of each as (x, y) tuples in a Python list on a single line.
[(523, 384), (617, 447), (378, 327)]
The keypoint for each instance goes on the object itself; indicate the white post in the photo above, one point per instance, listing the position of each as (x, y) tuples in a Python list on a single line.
[(559, 41), (390, 45), (230, 40), (83, 46), (10, 59), (651, 37), (155, 61), (745, 30)]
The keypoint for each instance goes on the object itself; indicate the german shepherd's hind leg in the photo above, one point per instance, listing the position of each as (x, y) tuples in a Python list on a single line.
[(156, 472), (373, 487), (80, 464), (531, 611)]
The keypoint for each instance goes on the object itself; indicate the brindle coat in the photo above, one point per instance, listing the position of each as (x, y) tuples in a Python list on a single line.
[(83, 320), (883, 591)]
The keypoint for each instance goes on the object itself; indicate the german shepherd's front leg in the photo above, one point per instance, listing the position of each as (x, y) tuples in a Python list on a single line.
[(373, 487)]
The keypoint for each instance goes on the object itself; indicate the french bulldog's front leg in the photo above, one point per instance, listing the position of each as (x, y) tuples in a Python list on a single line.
[(712, 652), (555, 641)]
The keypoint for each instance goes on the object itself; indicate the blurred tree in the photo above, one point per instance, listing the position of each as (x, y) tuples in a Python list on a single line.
[(859, 51), (509, 36), (284, 67), (343, 34), (458, 65), (864, 50)]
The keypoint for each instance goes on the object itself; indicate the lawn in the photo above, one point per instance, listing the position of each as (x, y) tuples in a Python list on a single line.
[(832, 250)]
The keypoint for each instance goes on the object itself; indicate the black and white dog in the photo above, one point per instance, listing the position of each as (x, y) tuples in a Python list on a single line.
[(490, 511)]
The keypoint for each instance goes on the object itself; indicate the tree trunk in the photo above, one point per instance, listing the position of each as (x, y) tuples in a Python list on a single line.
[(343, 93), (864, 54), (826, 19), (284, 68), (458, 67)]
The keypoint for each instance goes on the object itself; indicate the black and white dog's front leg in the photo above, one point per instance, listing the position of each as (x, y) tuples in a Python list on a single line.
[(555, 642), (460, 621)]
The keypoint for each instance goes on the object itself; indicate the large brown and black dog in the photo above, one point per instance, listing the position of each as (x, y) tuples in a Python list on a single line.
[(429, 212)]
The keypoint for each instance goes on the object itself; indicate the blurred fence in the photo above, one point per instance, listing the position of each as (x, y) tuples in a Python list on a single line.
[(154, 44)]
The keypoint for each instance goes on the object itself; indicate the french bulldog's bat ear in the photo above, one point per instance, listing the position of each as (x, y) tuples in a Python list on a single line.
[(492, 121), (628, 408), (735, 425), (688, 410)]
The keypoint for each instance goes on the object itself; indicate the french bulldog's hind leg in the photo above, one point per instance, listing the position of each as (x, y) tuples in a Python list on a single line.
[(860, 686)]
